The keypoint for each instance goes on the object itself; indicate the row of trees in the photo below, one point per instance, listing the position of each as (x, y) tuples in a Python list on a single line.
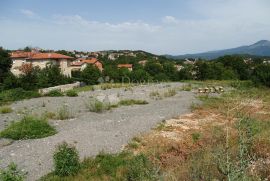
[(228, 68), (161, 69)]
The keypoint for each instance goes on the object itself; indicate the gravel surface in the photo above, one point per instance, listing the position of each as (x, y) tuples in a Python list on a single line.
[(90, 132)]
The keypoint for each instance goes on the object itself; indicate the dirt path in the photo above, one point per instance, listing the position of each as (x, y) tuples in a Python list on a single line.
[(92, 132)]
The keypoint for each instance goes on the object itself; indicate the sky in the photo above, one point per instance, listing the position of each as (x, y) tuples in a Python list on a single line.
[(159, 26)]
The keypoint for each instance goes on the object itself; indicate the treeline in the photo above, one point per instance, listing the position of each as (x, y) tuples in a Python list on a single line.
[(156, 68)]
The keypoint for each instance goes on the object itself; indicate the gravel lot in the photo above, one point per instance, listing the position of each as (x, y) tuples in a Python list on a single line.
[(90, 132)]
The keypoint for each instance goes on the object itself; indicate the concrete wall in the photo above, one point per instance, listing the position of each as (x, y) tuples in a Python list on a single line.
[(61, 88)]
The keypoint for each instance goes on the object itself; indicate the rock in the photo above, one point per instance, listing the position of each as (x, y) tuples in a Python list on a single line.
[(5, 142)]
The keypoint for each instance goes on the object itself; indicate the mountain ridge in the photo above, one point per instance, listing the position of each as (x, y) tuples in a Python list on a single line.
[(260, 48)]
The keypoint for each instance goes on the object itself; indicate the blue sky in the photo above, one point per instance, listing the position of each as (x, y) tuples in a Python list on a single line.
[(158, 26)]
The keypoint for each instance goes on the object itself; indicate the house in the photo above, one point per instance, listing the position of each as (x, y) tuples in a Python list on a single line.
[(178, 67), (128, 66), (81, 64), (40, 60), (142, 62)]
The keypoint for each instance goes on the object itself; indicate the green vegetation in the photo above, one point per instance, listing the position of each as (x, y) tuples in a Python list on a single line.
[(54, 93), (28, 128), (12, 173), (66, 160), (63, 113), (97, 106), (5, 110), (85, 88), (11, 95), (170, 93), (155, 95), (71, 93), (122, 166), (128, 102)]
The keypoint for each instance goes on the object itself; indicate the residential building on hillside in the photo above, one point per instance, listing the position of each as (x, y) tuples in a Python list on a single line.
[(40, 60), (142, 62), (128, 66), (81, 64)]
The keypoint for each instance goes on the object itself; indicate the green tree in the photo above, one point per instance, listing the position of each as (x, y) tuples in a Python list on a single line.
[(5, 64), (153, 68), (261, 75), (90, 75), (170, 70)]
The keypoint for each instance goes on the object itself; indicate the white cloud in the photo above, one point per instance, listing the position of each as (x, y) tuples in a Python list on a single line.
[(28, 13), (169, 20), (215, 25)]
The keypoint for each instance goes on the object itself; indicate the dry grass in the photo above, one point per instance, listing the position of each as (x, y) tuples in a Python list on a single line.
[(187, 147)]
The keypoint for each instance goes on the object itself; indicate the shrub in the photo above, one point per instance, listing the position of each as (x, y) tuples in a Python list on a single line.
[(16, 95), (5, 110), (66, 160), (170, 93), (97, 106), (71, 93), (195, 137), (140, 168), (155, 95), (12, 173), (28, 128), (128, 102), (63, 113), (54, 93)]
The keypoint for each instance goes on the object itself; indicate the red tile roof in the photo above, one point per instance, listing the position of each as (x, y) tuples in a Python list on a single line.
[(37, 56), (49, 56), (20, 54), (124, 65)]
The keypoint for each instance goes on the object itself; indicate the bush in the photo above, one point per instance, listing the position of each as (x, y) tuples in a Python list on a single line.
[(170, 93), (140, 168), (54, 93), (28, 128), (5, 110), (97, 106), (16, 95), (12, 173), (128, 102), (66, 160), (71, 93)]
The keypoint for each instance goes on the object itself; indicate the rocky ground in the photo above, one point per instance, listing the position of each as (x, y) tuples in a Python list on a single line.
[(90, 132)]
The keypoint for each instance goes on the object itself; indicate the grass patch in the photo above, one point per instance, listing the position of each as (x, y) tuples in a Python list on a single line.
[(155, 95), (12, 173), (5, 110), (63, 113), (94, 105), (71, 93), (186, 87), (106, 86), (12, 95), (66, 160), (122, 166), (84, 88), (54, 93), (170, 93), (28, 128), (128, 102)]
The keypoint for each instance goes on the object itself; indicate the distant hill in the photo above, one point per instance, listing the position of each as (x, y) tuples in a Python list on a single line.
[(261, 48)]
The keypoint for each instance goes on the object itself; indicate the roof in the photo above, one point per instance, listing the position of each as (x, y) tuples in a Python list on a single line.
[(20, 54), (49, 56), (36, 56), (88, 61), (124, 65)]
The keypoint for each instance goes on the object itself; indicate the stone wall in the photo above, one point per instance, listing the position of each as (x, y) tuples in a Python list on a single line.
[(61, 88)]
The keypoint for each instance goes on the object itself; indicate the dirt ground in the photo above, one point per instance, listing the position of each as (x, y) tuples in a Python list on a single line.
[(91, 132)]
